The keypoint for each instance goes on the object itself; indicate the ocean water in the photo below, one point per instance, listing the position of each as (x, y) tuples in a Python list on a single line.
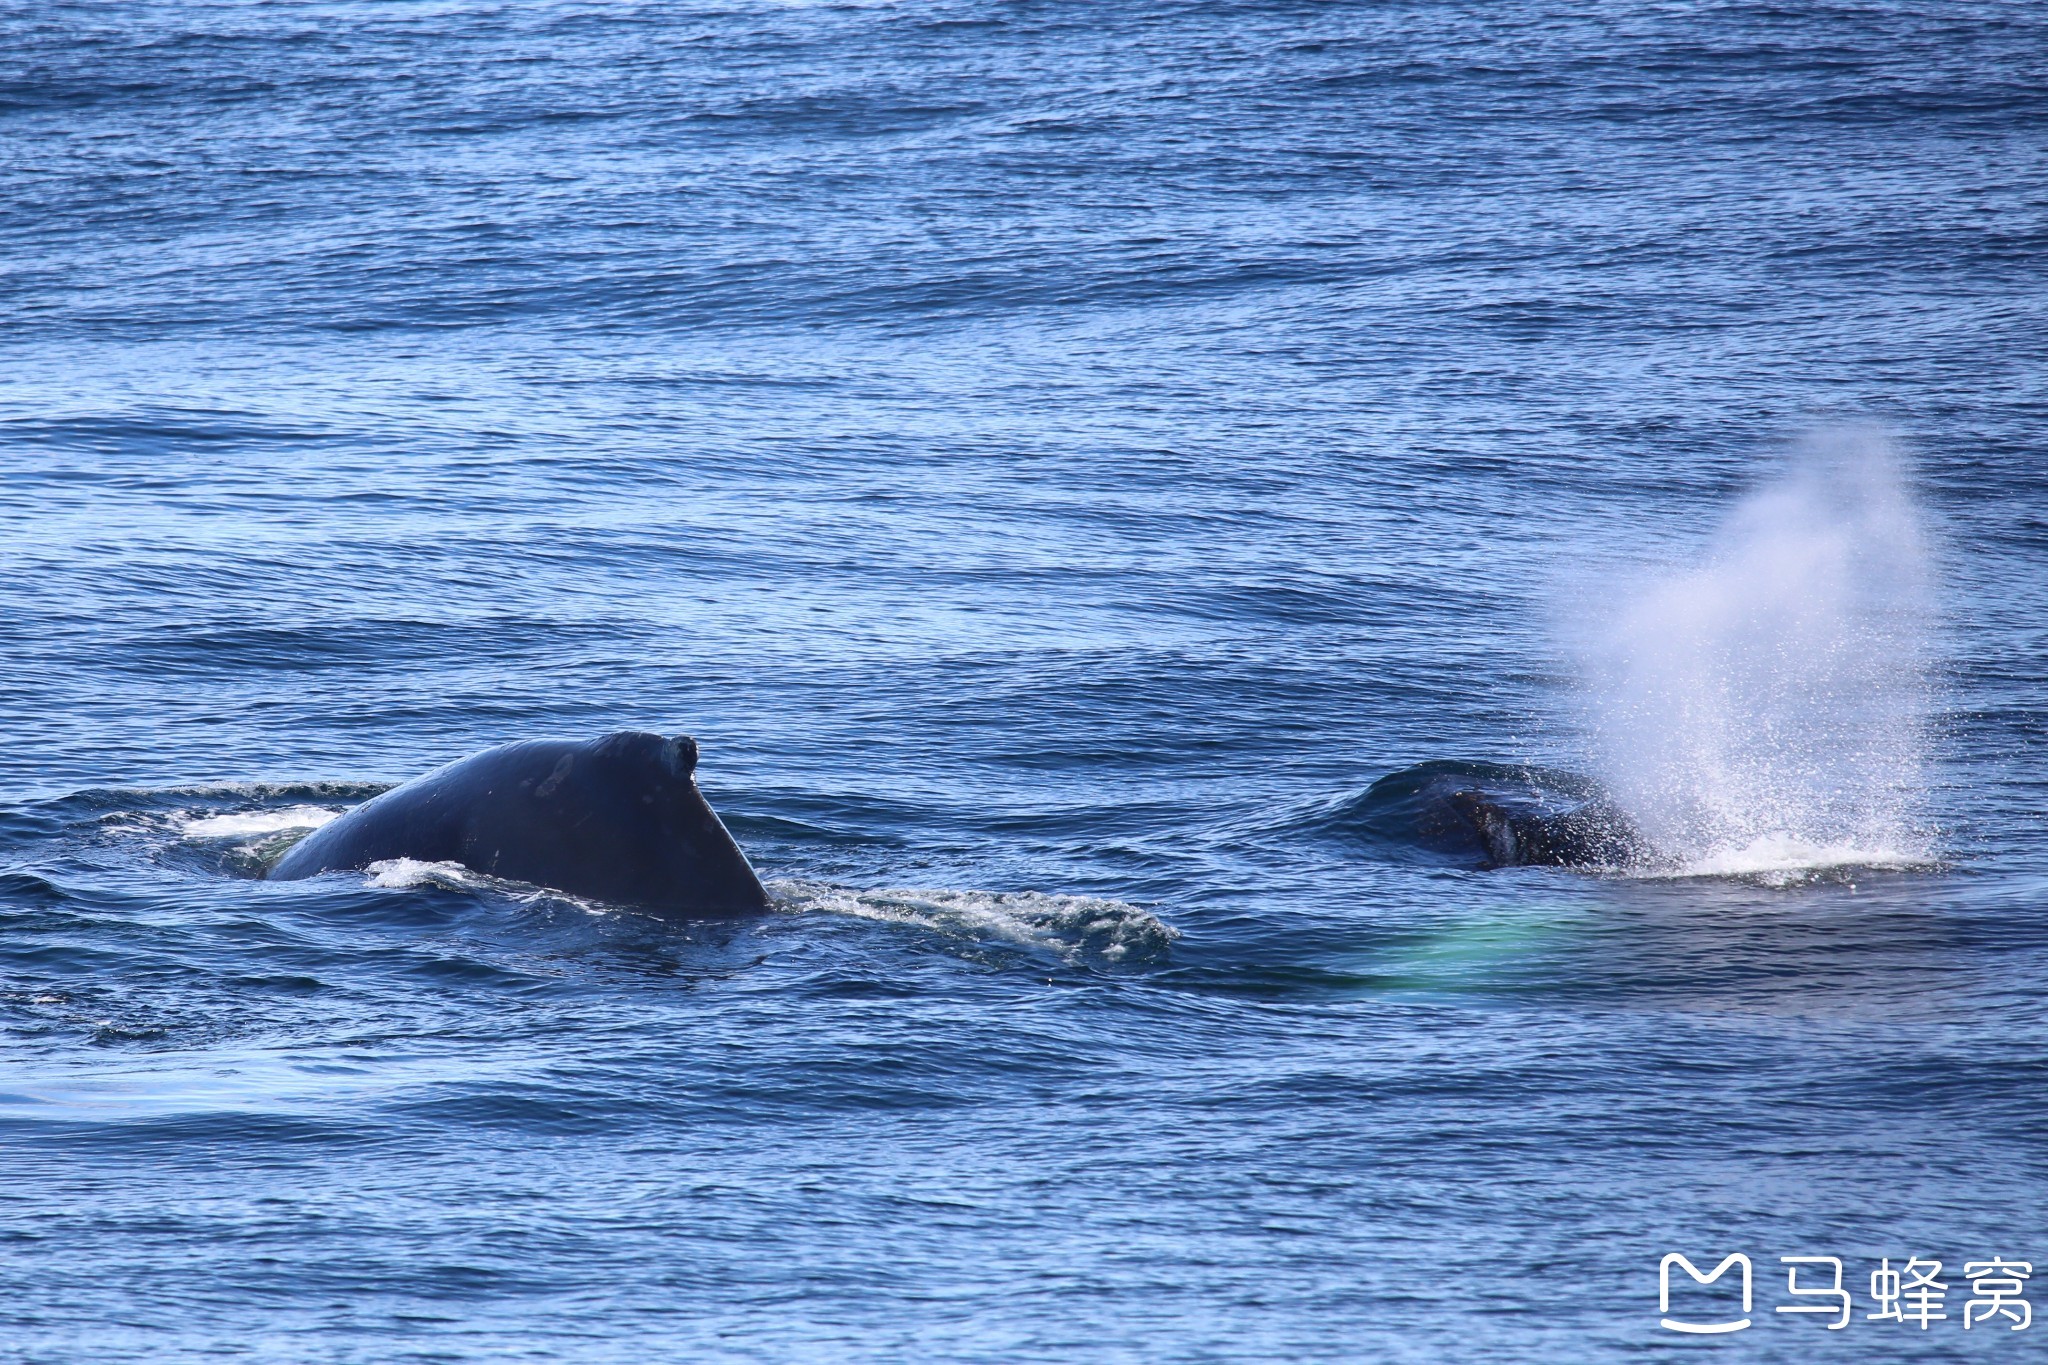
[(1055, 458)]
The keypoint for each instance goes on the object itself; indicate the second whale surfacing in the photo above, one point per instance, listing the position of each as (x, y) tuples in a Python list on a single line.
[(1497, 815), (617, 819), (1593, 833)]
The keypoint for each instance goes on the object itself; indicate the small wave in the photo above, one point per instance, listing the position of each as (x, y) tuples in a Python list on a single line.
[(1788, 860), (215, 795), (1070, 927), (242, 824)]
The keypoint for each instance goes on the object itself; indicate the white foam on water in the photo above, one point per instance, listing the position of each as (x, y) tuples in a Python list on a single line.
[(399, 873), (1067, 926), (1070, 927), (242, 824), (1785, 860), (1763, 710)]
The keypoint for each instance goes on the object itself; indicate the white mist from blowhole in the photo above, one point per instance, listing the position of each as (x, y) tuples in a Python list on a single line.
[(1762, 711)]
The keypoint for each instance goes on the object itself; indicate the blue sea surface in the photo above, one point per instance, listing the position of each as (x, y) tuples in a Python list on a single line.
[(1054, 457)]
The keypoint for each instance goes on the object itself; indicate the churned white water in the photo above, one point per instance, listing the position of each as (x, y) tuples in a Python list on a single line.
[(1067, 926), (399, 873), (240, 824), (1762, 709)]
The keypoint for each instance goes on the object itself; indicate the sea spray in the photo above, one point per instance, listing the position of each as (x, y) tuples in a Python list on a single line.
[(1763, 710)]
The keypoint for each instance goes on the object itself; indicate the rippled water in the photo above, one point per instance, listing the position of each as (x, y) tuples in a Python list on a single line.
[(1054, 458)]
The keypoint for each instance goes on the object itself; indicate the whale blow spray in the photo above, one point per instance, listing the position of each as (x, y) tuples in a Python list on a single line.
[(1764, 710)]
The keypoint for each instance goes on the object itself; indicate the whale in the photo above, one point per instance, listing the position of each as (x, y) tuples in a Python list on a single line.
[(1593, 833), (1490, 815), (617, 819)]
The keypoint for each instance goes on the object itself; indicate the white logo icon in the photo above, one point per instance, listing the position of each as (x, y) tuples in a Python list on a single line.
[(1664, 1292)]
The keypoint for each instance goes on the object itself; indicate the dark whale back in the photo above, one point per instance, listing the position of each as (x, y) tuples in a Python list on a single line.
[(617, 819), (1595, 833), (1495, 815)]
